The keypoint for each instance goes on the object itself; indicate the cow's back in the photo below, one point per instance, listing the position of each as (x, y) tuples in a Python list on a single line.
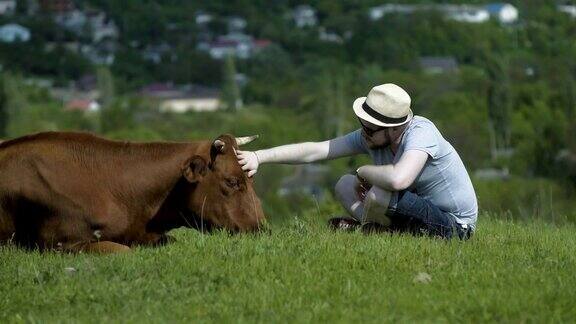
[(72, 185), (37, 172)]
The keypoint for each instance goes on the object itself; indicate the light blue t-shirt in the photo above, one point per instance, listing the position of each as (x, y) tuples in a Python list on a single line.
[(443, 181)]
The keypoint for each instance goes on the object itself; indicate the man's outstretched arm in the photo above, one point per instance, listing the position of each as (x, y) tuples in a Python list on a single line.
[(395, 177), (297, 153)]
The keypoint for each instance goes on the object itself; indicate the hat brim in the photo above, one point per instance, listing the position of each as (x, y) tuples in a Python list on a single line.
[(362, 114)]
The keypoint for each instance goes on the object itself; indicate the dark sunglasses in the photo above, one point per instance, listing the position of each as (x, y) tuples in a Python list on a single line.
[(370, 131)]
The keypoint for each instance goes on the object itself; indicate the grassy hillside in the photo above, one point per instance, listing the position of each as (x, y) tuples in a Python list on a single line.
[(303, 272)]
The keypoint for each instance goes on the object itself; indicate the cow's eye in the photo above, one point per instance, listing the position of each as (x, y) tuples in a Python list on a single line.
[(233, 183)]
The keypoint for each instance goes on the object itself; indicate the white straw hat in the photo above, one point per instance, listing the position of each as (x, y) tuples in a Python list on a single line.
[(386, 105)]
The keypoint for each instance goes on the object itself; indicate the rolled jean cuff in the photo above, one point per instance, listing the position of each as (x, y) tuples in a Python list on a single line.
[(393, 205)]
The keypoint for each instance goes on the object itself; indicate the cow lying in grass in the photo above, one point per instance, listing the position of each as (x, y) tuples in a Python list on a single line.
[(78, 192)]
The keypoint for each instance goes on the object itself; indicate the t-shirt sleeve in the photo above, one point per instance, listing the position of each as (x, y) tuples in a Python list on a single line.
[(423, 138), (354, 142)]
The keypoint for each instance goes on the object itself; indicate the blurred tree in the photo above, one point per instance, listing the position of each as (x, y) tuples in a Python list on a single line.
[(231, 91), (499, 108), (22, 7), (16, 104), (269, 69), (332, 104), (462, 118), (538, 137), (3, 109), (105, 82), (191, 67)]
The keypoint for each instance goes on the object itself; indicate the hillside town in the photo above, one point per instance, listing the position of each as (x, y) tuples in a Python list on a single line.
[(94, 56), (94, 35)]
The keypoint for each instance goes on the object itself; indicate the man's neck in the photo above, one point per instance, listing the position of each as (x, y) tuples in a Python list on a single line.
[(396, 143)]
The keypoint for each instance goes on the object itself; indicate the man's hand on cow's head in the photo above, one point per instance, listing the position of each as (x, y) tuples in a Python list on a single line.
[(249, 161)]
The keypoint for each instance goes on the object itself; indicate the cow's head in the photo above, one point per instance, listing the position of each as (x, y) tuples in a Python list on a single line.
[(221, 194)]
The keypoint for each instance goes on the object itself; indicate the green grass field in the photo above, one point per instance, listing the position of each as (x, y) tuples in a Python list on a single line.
[(302, 272)]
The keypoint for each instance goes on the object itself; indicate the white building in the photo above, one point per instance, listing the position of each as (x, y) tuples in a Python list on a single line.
[(74, 20), (568, 9), (101, 26), (304, 16), (236, 24), (236, 44), (438, 64), (202, 18), (96, 23), (503, 12), (12, 33), (376, 13), (220, 49), (469, 15), (7, 7), (329, 36), (180, 99)]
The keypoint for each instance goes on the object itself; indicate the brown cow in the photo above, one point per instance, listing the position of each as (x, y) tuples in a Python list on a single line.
[(78, 192)]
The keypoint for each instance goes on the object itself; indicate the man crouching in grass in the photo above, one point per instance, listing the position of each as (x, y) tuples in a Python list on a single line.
[(418, 183)]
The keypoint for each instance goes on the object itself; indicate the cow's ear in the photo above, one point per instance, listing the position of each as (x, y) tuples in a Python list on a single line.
[(195, 169)]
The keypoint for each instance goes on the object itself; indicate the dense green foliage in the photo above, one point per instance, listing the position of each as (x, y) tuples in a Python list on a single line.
[(512, 103), (303, 272)]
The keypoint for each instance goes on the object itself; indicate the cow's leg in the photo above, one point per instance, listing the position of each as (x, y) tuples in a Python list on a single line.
[(166, 239), (102, 247), (7, 228), (156, 239)]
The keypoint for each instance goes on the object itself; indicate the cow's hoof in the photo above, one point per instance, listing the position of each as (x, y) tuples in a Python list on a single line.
[(103, 247)]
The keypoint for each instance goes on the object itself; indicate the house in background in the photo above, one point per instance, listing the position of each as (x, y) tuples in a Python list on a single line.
[(71, 46), (304, 16), (101, 26), (329, 36), (57, 6), (236, 24), (157, 52), (77, 98), (13, 33), (72, 20), (239, 45), (7, 7), (221, 48), (83, 105), (568, 9), (103, 53), (503, 12), (492, 174), (438, 64), (92, 23), (202, 18), (180, 99), (469, 14), (378, 12)]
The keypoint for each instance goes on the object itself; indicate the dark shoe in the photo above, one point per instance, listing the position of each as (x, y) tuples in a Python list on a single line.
[(374, 228), (344, 224)]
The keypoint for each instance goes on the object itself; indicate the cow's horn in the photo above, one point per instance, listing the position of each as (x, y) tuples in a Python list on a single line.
[(219, 145), (245, 140)]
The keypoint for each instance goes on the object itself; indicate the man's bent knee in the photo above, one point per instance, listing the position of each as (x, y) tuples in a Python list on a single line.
[(345, 186)]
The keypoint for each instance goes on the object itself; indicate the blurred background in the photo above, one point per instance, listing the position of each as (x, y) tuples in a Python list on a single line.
[(498, 80)]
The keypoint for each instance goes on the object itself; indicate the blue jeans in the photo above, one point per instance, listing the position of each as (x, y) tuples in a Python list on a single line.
[(409, 212)]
